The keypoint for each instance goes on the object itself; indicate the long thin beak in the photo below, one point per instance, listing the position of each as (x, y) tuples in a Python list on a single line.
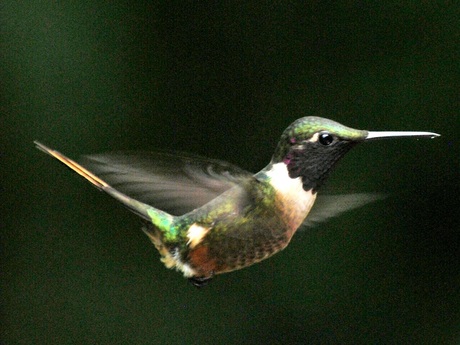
[(392, 134)]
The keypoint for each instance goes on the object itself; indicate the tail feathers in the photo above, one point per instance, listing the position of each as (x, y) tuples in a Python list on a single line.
[(143, 210)]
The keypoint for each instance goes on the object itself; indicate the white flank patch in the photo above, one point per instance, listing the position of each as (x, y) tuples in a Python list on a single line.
[(195, 234), (180, 266), (188, 271)]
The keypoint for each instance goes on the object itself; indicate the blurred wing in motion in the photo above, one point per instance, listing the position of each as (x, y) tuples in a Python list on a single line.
[(329, 206), (174, 182)]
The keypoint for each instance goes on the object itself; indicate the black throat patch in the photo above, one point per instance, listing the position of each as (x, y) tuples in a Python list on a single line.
[(314, 163)]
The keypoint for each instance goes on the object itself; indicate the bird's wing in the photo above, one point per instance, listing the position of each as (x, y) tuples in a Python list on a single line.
[(178, 183), (329, 206), (174, 182)]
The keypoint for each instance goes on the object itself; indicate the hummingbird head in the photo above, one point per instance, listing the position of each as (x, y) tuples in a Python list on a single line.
[(311, 146)]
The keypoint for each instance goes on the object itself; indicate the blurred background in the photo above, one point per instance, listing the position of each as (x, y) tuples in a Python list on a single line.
[(224, 80)]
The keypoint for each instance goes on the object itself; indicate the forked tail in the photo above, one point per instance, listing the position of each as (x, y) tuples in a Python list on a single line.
[(159, 218)]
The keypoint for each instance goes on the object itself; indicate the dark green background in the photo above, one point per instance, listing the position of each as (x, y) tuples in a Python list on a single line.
[(224, 80)]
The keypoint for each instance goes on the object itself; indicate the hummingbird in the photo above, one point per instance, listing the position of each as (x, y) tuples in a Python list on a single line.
[(216, 217)]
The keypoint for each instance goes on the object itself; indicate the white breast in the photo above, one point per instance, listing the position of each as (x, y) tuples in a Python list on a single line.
[(297, 202)]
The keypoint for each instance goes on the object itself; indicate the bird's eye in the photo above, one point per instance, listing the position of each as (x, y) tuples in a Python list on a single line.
[(325, 139)]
